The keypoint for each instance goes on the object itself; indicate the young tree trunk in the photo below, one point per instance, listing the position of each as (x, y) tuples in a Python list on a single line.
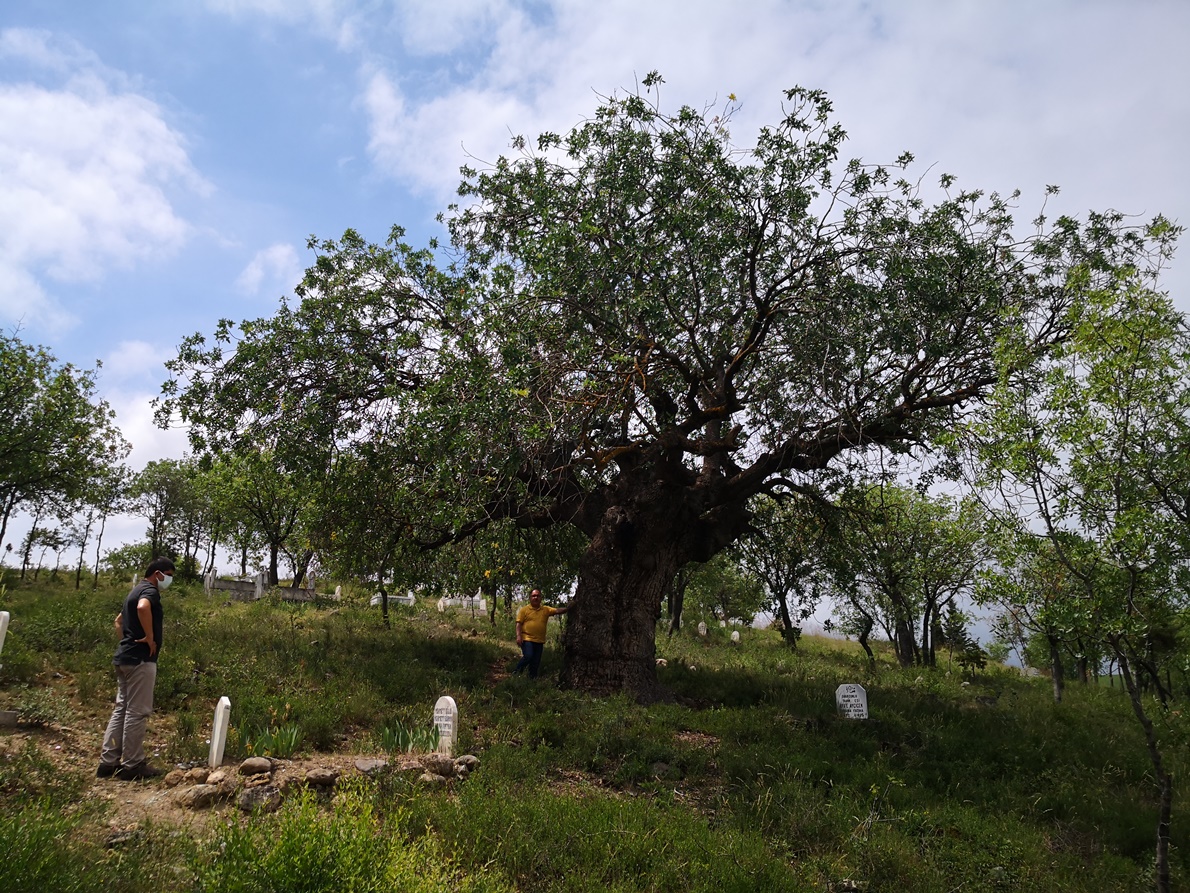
[(1056, 671), (383, 600), (790, 634), (300, 569), (98, 548), (78, 573), (1161, 775), (209, 564), (9, 501), (677, 600), (869, 624), (274, 548)]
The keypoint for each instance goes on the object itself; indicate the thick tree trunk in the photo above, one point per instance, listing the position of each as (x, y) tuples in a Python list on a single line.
[(905, 644), (608, 644)]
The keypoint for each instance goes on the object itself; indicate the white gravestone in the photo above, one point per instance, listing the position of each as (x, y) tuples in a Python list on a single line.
[(338, 592), (475, 604), (702, 628), (4, 616), (407, 600), (446, 718), (219, 732), (852, 701), (735, 635)]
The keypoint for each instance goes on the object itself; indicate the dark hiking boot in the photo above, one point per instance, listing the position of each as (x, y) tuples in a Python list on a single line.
[(137, 772), (106, 770)]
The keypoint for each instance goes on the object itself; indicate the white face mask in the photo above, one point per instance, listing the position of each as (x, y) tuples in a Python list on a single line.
[(165, 581)]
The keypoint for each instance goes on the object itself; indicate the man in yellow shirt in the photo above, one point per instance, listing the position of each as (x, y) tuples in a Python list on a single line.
[(531, 621)]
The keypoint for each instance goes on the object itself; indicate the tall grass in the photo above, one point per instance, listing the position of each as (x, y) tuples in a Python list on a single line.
[(747, 780), (306, 849)]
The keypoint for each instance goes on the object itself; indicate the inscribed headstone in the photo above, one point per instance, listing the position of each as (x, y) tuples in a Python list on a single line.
[(702, 628), (4, 616), (219, 732), (852, 701), (446, 718)]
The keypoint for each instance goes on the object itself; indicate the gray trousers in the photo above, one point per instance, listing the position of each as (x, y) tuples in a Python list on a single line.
[(124, 740)]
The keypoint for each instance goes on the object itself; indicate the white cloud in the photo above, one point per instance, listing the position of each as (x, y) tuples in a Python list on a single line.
[(1089, 96), (277, 267), (335, 18), (134, 415), (128, 380), (132, 361), (23, 302), (424, 145), (443, 26), (85, 176)]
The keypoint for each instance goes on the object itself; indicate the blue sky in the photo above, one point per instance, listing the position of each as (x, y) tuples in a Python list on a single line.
[(162, 164)]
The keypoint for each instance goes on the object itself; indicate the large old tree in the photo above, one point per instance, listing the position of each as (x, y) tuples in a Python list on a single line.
[(635, 328)]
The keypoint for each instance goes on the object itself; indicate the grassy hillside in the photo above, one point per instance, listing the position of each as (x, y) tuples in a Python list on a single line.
[(747, 781)]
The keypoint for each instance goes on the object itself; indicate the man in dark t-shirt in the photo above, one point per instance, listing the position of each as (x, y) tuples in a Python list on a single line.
[(139, 625)]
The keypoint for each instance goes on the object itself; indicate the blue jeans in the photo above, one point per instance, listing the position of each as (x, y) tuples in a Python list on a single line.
[(530, 657)]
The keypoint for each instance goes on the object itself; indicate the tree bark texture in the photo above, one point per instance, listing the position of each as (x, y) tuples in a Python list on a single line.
[(636, 548), (609, 642)]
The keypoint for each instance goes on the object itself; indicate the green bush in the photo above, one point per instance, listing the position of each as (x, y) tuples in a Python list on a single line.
[(304, 849)]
